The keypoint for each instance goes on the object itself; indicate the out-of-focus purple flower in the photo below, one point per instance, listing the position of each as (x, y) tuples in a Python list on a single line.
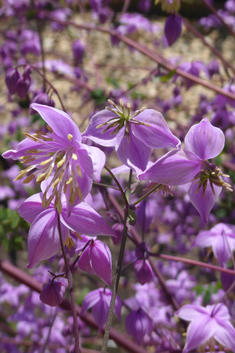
[(221, 238), (23, 85), (62, 15), (118, 228), (43, 238), (30, 42), (78, 50), (132, 135), (52, 293), (173, 28), (43, 99), (139, 324), (203, 141), (192, 68), (212, 321), (99, 300), (230, 6), (213, 68), (6, 192), (221, 100), (144, 5), (227, 280), (210, 22), (96, 258), (61, 154), (221, 118), (143, 271), (182, 287), (11, 79)]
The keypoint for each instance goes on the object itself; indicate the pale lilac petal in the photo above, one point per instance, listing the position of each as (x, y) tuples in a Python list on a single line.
[(60, 122), (98, 159), (190, 312), (22, 148), (205, 140), (204, 239), (221, 312), (204, 203), (101, 260), (221, 250), (199, 332), (133, 153), (225, 334), (100, 312), (96, 135), (85, 220), (43, 238), (157, 134), (174, 168), (31, 208), (90, 299), (84, 161), (84, 261)]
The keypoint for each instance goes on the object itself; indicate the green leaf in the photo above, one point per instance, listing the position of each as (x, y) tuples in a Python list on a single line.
[(167, 77), (113, 82), (98, 95)]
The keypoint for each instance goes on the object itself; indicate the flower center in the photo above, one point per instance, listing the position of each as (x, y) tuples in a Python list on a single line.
[(122, 119), (63, 163), (212, 174)]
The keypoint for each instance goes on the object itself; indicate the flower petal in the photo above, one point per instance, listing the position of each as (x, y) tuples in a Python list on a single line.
[(43, 238), (190, 312), (204, 239), (31, 207), (98, 159), (100, 312), (95, 134), (60, 122), (199, 332), (157, 134), (90, 299), (221, 250), (225, 334), (101, 260), (84, 261), (85, 220), (22, 148), (205, 140), (204, 203), (133, 153), (174, 168)]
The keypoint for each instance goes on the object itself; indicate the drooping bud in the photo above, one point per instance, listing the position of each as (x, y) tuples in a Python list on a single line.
[(11, 79), (78, 50), (23, 85), (118, 227), (138, 324), (53, 292), (42, 98), (143, 271), (173, 29)]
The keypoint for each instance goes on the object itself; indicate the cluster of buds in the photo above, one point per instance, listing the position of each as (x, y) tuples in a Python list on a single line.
[(17, 83)]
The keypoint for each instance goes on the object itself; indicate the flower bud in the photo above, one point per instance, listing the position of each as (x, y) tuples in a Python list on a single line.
[(78, 50), (22, 86), (143, 271), (172, 29), (42, 98), (138, 323), (53, 292), (118, 227), (11, 79)]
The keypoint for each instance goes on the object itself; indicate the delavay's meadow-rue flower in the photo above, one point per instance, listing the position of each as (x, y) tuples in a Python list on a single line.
[(221, 238), (99, 300), (207, 324), (60, 154), (202, 142), (52, 293), (96, 258), (132, 134), (43, 238)]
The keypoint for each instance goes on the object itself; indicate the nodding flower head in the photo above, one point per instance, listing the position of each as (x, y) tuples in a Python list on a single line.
[(58, 154)]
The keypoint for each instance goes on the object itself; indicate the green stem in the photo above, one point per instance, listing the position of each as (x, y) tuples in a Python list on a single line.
[(118, 185), (147, 194)]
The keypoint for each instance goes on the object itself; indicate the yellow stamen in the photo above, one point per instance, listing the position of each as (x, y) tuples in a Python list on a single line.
[(49, 128), (74, 156), (60, 163), (78, 235), (69, 243), (69, 181), (31, 137), (46, 161), (70, 137), (48, 202), (56, 182), (79, 172), (41, 177), (49, 173), (28, 179), (58, 204)]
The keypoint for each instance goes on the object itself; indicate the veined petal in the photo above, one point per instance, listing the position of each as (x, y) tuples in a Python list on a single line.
[(31, 207), (133, 153), (205, 140), (22, 148), (204, 239), (157, 134), (101, 260), (190, 312), (204, 203), (85, 220), (221, 312), (60, 122), (100, 312), (94, 132), (221, 249), (225, 334), (199, 332), (174, 168), (84, 261), (43, 238)]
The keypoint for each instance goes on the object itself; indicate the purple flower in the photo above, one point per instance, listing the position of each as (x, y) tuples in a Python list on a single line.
[(182, 287), (96, 258), (192, 68), (213, 321), (99, 300), (173, 28), (132, 134), (78, 50), (61, 154), (43, 99), (203, 141), (11, 79), (143, 271), (138, 324), (52, 293), (221, 238), (43, 238)]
